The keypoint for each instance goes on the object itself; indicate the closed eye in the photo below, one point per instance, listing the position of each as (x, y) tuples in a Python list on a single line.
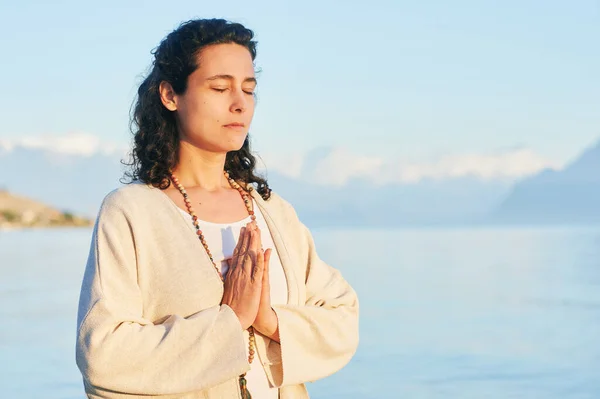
[(249, 92)]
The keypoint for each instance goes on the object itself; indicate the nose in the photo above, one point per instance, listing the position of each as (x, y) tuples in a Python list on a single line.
[(239, 102)]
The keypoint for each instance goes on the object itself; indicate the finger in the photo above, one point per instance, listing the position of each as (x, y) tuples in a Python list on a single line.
[(234, 261), (267, 257), (259, 238), (249, 254), (254, 244), (268, 253), (236, 250), (258, 269), (268, 260), (245, 241)]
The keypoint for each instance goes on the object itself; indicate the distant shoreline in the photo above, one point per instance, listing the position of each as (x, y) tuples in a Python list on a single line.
[(5, 228), (18, 212)]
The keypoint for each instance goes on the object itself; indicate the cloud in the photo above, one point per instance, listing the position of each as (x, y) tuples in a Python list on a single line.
[(289, 165), (336, 166), (332, 165), (6, 146), (511, 164), (75, 143)]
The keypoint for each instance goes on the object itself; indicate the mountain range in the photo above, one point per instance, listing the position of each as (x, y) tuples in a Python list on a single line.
[(77, 183), (570, 195)]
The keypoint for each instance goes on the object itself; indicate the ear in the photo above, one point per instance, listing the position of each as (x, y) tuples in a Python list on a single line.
[(167, 96)]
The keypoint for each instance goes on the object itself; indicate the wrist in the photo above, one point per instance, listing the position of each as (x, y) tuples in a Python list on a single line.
[(269, 326), (274, 335)]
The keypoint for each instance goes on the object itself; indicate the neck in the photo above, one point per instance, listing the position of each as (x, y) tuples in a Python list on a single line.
[(200, 168)]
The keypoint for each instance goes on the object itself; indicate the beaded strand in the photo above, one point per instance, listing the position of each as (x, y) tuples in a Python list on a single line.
[(247, 201)]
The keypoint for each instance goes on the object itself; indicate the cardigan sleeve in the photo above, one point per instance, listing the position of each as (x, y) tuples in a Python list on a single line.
[(319, 337), (120, 351)]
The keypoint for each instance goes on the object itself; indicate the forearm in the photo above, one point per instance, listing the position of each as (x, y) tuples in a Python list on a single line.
[(315, 342), (269, 328), (132, 357)]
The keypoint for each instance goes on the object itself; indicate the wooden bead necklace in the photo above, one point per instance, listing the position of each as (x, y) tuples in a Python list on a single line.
[(247, 201)]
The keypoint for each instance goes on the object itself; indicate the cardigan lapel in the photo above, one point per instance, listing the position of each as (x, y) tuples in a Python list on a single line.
[(274, 220), (197, 245)]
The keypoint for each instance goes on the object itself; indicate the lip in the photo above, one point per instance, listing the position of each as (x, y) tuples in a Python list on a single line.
[(235, 125)]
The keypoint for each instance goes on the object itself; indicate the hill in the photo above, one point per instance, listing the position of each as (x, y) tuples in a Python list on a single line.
[(571, 195), (17, 211)]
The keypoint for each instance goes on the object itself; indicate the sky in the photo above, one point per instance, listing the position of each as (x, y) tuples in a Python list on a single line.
[(401, 81)]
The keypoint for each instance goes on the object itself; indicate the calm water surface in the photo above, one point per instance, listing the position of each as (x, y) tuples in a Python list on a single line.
[(447, 313)]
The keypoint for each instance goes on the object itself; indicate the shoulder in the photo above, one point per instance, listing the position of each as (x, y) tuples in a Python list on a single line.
[(285, 219), (277, 200), (128, 197), (127, 193), (277, 205)]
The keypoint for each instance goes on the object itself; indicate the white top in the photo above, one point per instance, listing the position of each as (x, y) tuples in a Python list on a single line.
[(222, 239)]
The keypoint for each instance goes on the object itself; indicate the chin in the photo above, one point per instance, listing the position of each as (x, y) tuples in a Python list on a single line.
[(236, 143)]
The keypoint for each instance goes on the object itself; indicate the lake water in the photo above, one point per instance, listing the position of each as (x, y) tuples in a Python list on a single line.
[(445, 313)]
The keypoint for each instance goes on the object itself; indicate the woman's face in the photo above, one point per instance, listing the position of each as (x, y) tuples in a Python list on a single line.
[(217, 107)]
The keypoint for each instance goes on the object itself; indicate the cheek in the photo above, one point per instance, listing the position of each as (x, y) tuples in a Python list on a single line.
[(201, 114), (212, 113)]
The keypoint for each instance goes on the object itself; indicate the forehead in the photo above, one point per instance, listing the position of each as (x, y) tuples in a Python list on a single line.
[(225, 59)]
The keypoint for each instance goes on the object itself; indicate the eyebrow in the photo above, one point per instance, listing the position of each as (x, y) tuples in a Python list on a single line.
[(231, 77)]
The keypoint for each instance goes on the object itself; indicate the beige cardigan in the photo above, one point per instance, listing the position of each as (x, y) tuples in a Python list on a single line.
[(150, 323)]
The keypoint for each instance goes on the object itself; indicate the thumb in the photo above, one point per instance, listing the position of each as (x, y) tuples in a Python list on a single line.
[(267, 262)]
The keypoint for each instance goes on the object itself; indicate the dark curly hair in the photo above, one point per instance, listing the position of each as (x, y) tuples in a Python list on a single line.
[(156, 140)]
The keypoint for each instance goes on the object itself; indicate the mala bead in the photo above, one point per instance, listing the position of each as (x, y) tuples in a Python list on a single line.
[(247, 201)]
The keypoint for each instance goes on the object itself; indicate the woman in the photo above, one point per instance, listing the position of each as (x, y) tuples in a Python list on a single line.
[(179, 299)]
